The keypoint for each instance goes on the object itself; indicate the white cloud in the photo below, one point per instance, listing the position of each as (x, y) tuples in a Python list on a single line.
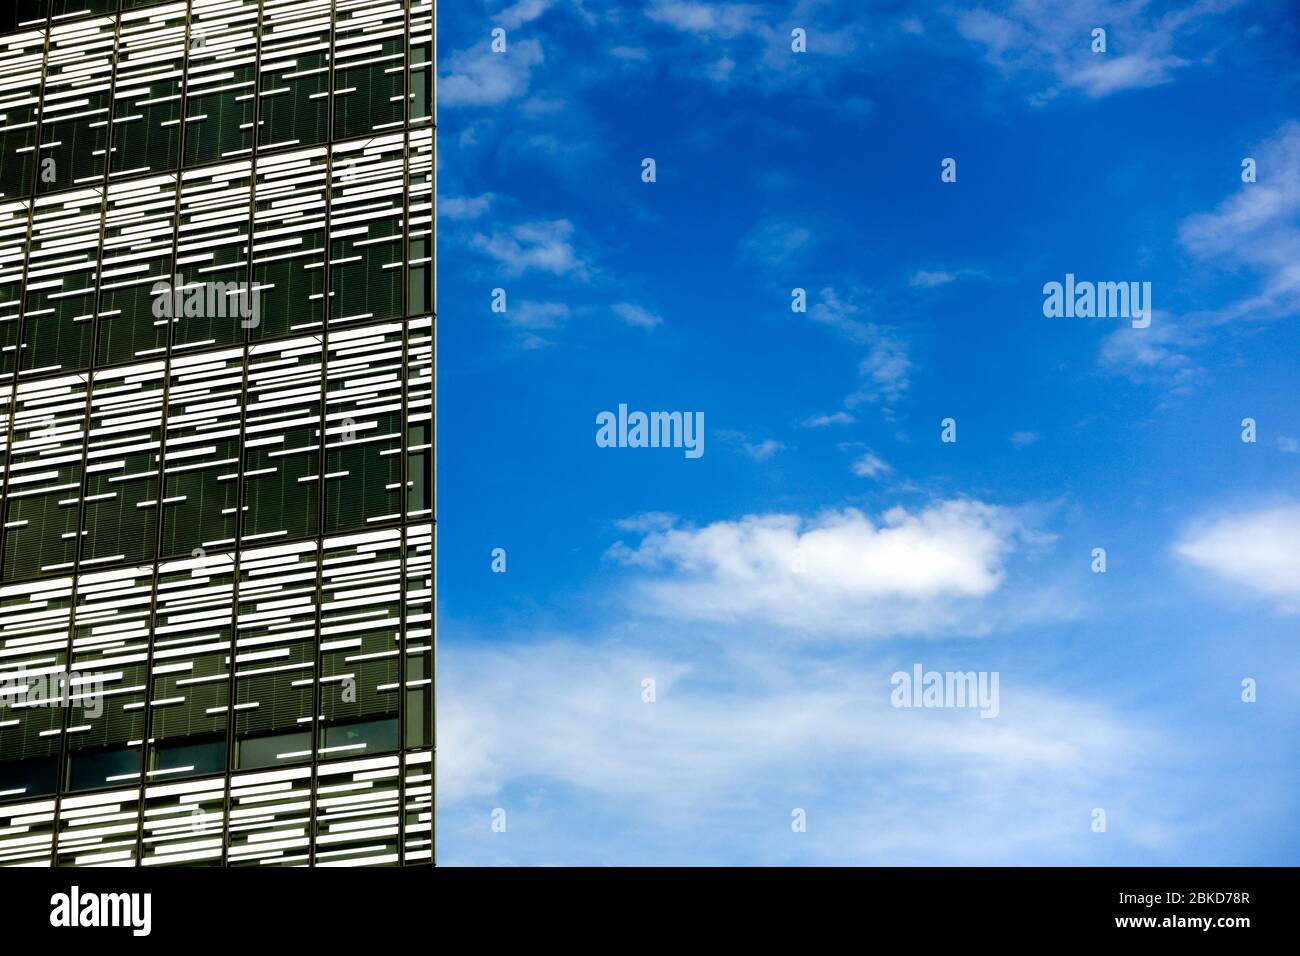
[(1287, 445), (763, 450), (839, 574), (926, 279), (1024, 439), (647, 521), (733, 741), (886, 369), (722, 20), (1258, 226), (1256, 550), (870, 465), (773, 242), (930, 279), (463, 207), (1158, 353), (544, 246), (635, 315), (834, 418), (1052, 39), (537, 315), (524, 11), (633, 54), (479, 77), (747, 46)]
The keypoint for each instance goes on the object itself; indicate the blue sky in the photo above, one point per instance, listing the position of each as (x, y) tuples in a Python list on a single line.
[(778, 170)]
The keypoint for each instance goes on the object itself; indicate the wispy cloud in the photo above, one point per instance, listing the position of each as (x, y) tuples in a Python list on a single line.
[(522, 12), (763, 450), (1049, 42), (544, 246), (885, 372), (477, 77), (1259, 227), (886, 369), (773, 242), (834, 418), (933, 278), (463, 207), (1256, 228), (537, 315), (636, 315), (870, 465), (542, 729)]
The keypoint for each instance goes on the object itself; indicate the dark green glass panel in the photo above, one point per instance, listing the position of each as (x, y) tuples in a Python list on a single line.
[(275, 496), (117, 527), (225, 308), (417, 497), (128, 328), (361, 288), (72, 151), (368, 97), (417, 291), (295, 109), (367, 482), (205, 511), (147, 101), (46, 535), (419, 702), (226, 129), (201, 691), (59, 342), (291, 293)]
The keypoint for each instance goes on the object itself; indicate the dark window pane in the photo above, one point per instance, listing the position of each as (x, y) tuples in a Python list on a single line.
[(139, 221), (201, 462), (186, 758), (18, 15), (295, 78), (92, 769), (361, 738), (121, 508), (222, 71), (72, 8), (273, 751), (282, 450), (275, 654), (29, 778), (74, 123), (62, 273), (147, 107), (370, 63), (21, 60), (289, 244)]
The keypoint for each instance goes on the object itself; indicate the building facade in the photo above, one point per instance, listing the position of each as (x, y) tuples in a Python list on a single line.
[(216, 432)]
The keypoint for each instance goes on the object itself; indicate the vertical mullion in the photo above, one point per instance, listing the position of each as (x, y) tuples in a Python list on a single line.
[(21, 321), (317, 724)]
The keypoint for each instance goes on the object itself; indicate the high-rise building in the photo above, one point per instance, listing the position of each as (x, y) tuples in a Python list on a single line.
[(216, 432)]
